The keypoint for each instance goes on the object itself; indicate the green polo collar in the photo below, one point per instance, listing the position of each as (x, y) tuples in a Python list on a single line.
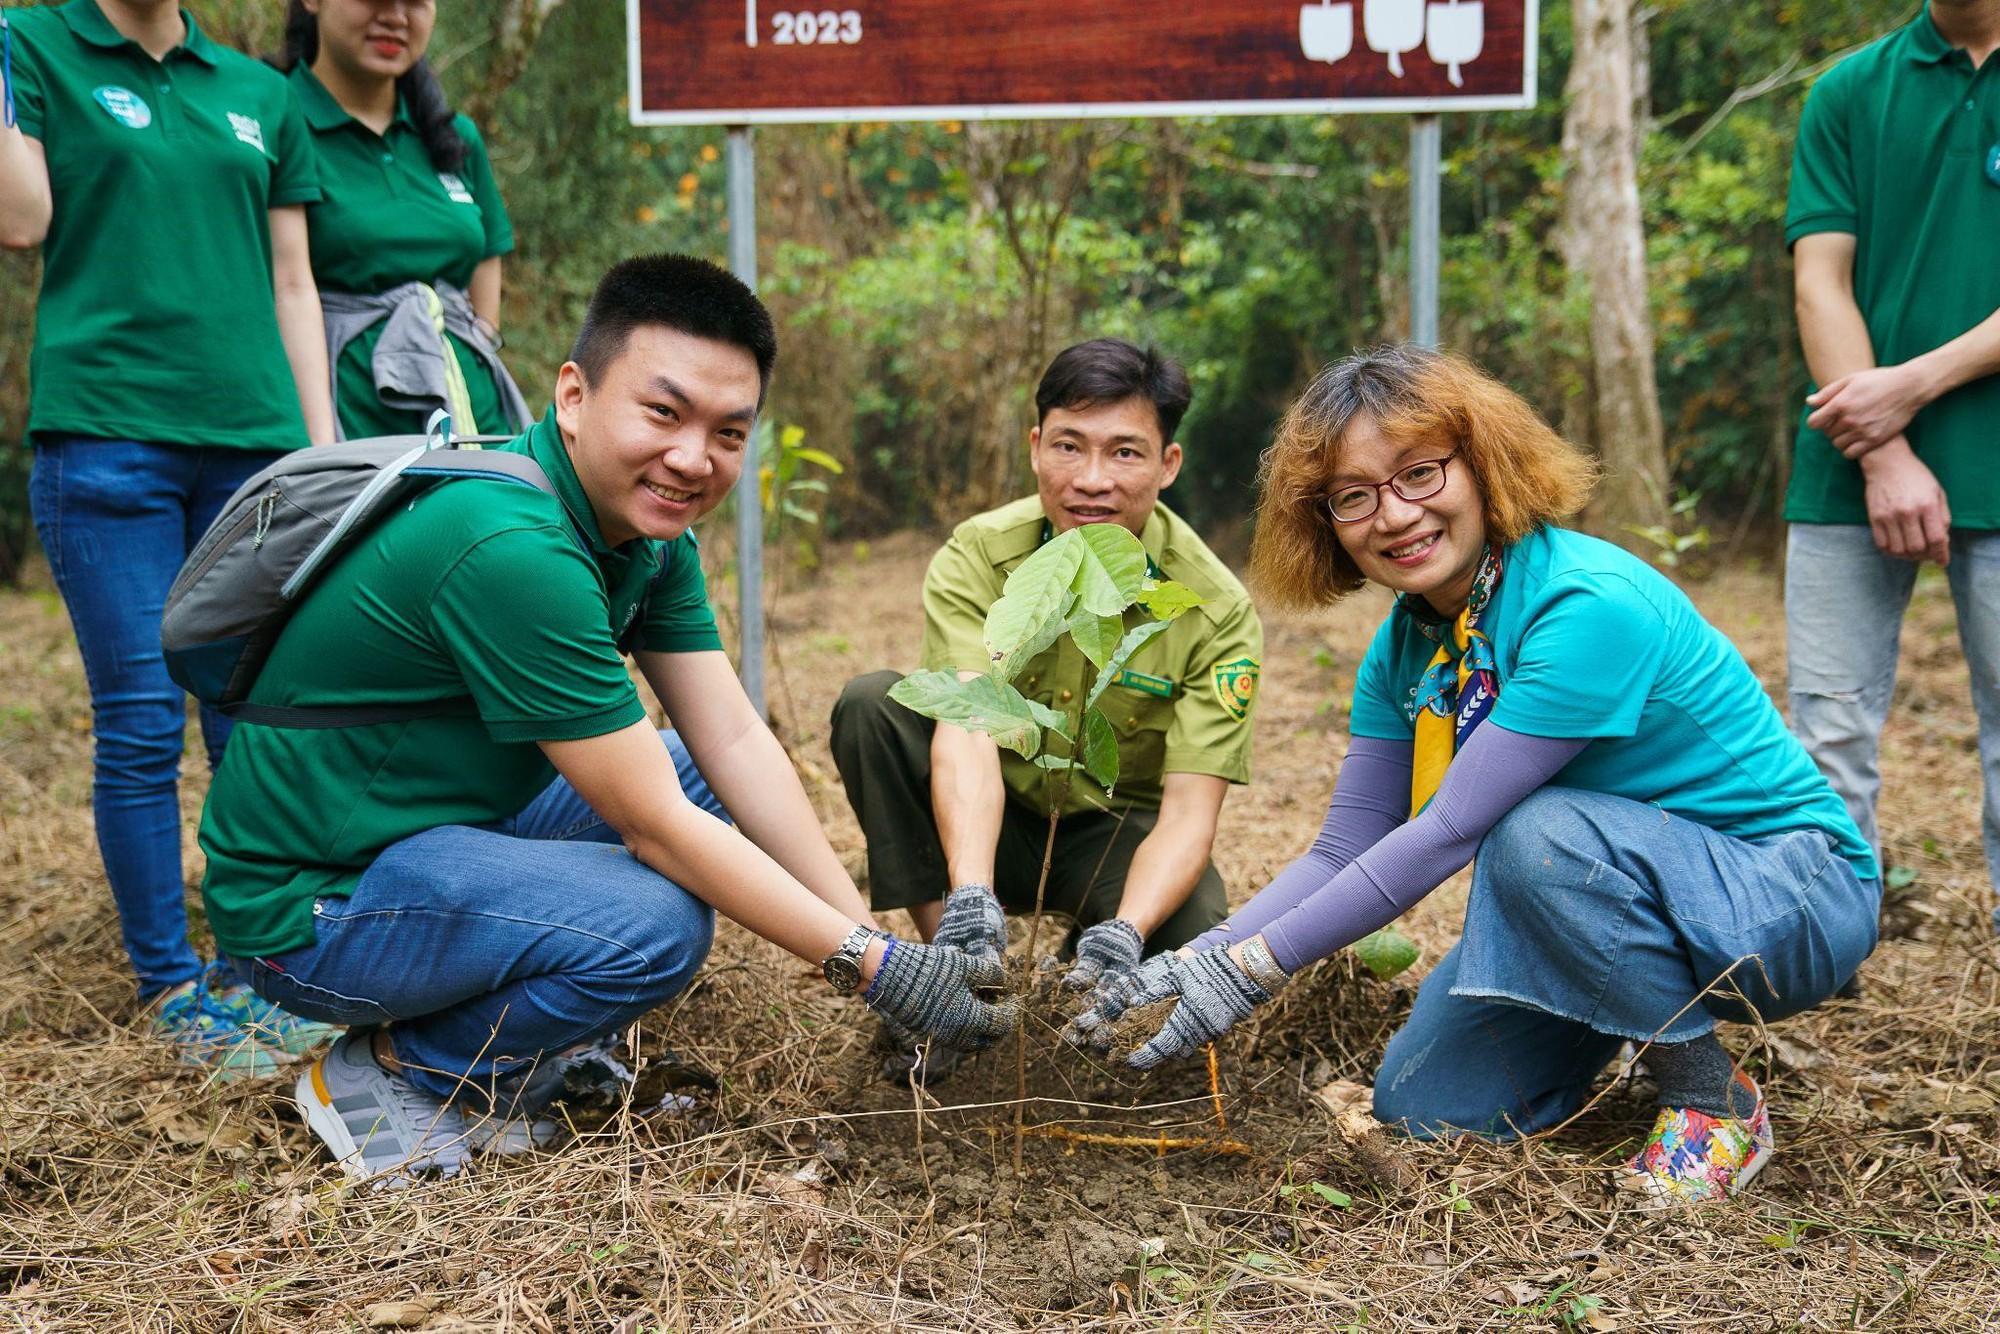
[(546, 447), (1926, 45), (1153, 537), (87, 21), (323, 111)]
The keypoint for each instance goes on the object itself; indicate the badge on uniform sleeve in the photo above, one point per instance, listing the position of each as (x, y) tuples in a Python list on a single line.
[(1236, 685)]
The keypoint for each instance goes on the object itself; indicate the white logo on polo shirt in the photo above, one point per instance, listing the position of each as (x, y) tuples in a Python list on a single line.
[(248, 129), (455, 189), (124, 106)]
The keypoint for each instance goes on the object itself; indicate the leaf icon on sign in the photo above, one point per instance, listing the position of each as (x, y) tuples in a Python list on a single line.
[(1393, 27), (1326, 30), (1457, 34)]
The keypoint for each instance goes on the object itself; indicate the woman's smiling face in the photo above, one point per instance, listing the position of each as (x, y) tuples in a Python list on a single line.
[(1429, 547)]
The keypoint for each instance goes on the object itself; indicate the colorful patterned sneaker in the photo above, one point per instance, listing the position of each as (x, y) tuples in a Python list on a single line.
[(272, 1025), (1692, 1157), (208, 1036), (379, 1126)]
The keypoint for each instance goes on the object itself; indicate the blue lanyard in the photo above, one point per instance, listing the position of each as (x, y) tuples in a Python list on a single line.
[(6, 71)]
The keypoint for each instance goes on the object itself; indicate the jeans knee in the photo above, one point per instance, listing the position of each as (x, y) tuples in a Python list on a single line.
[(140, 748), (1525, 845), (671, 960), (1410, 1098)]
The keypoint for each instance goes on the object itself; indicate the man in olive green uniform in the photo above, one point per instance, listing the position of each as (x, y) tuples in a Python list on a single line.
[(1894, 212), (955, 826)]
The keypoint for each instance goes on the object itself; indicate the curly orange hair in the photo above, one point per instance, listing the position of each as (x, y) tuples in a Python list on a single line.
[(1527, 475)]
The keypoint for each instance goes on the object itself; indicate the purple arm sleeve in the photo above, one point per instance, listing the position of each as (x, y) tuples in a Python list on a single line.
[(1370, 798), (1489, 777)]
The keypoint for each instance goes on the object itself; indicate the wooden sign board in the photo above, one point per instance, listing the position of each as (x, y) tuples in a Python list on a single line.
[(740, 62)]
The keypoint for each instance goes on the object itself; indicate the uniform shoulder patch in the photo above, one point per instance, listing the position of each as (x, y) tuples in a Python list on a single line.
[(1236, 685)]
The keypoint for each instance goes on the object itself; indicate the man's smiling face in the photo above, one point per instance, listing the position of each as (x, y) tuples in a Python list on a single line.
[(658, 440), (1105, 463)]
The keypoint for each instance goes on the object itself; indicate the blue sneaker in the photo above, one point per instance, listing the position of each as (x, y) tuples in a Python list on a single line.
[(205, 1035), (271, 1024)]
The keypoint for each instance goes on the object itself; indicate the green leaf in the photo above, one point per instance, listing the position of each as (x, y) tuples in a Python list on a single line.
[(1899, 877), (1338, 1199), (1134, 640), (1100, 749), (1384, 953), (1112, 571), (981, 704), (1261, 1260), (1096, 636), (1167, 600), (1032, 606)]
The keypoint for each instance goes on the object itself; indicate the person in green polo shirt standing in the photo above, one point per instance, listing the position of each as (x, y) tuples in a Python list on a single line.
[(494, 890), (956, 827), (177, 352), (409, 230), (1893, 219)]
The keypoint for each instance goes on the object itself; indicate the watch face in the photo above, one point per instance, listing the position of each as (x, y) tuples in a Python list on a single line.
[(842, 972)]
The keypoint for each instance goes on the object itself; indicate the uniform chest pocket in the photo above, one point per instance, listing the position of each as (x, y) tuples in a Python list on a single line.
[(1141, 720)]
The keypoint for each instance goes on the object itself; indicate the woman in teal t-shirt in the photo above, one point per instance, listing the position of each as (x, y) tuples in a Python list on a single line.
[(408, 234), (1655, 852)]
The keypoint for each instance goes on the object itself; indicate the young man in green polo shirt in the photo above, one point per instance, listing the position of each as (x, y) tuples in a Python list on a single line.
[(955, 826), (1893, 219), (424, 880)]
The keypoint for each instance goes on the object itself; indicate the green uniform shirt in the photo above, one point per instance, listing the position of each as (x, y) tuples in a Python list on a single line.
[(477, 589), (1898, 147), (1183, 704), (388, 216), (155, 320)]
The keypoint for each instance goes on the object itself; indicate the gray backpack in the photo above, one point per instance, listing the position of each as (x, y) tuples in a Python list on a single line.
[(283, 529)]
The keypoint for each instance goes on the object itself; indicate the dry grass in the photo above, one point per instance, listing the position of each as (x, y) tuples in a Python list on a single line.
[(810, 1196)]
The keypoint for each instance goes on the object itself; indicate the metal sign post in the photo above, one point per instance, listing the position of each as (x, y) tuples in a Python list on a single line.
[(1424, 157), (742, 165)]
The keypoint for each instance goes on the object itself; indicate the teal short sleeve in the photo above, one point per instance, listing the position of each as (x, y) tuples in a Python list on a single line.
[(1377, 709), (295, 172), (1822, 197), (539, 668), (678, 617), (1587, 659), (478, 171), (27, 85)]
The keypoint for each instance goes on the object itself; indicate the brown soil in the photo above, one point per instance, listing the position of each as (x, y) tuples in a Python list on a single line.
[(809, 1194)]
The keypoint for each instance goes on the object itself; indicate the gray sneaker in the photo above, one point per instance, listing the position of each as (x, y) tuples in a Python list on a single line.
[(379, 1126)]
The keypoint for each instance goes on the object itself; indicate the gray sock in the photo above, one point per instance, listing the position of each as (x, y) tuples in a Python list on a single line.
[(1699, 1074)]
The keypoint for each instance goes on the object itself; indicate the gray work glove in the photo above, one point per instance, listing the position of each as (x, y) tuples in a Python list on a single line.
[(927, 991), (1215, 994), (1105, 953), (973, 921), (1143, 985)]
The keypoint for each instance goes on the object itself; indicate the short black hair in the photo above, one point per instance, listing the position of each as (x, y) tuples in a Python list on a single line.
[(1111, 370), (681, 292)]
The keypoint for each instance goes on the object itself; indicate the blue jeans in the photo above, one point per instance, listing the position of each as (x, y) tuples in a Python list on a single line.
[(1844, 605), (1594, 919), (116, 519), (490, 947)]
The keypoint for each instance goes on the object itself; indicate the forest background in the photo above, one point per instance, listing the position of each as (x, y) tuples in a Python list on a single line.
[(922, 274)]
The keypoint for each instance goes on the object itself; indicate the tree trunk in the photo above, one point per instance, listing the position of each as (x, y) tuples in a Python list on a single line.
[(1605, 249)]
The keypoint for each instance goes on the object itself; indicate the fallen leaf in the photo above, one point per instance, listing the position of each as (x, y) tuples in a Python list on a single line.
[(410, 1313)]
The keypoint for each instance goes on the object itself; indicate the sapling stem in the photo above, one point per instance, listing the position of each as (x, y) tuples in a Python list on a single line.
[(1056, 794)]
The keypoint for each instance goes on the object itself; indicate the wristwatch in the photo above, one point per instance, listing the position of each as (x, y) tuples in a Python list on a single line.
[(843, 967)]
